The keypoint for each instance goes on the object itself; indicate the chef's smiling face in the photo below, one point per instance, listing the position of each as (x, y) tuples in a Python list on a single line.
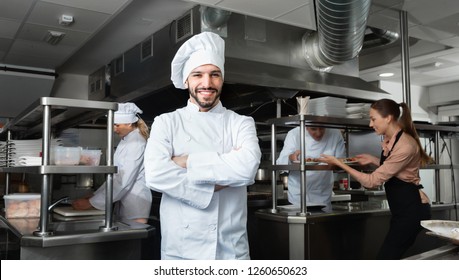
[(205, 84)]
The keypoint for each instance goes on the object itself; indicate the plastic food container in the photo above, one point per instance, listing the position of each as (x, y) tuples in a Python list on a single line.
[(90, 157), (22, 205), (66, 155)]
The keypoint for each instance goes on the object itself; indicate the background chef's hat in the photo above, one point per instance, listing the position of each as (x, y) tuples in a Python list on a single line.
[(203, 48), (127, 113)]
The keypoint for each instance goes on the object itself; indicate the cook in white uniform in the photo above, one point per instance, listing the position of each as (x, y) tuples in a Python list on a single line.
[(201, 158), (319, 184), (129, 183)]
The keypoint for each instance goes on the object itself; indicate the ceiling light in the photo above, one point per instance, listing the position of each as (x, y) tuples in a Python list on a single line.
[(53, 37), (386, 75)]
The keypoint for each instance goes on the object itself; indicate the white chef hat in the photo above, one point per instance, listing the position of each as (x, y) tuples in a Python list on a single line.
[(201, 49), (127, 113)]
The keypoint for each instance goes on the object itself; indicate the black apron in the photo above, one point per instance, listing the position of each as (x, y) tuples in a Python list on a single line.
[(407, 213)]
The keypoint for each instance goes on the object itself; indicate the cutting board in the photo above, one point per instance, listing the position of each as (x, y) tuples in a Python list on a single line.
[(68, 211)]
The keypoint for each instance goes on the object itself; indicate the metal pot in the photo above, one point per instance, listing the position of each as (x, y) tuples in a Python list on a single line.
[(284, 179), (263, 174), (85, 180)]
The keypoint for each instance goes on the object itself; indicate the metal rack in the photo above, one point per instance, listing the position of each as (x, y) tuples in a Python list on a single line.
[(49, 113), (333, 122)]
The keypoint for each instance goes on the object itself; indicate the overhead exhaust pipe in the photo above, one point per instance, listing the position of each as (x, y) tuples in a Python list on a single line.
[(340, 32), (214, 18)]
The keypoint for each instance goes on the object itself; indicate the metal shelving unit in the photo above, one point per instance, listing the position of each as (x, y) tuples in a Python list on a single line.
[(49, 114), (341, 123)]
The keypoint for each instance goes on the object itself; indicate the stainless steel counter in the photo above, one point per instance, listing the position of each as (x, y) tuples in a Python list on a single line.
[(79, 239), (447, 252), (352, 230)]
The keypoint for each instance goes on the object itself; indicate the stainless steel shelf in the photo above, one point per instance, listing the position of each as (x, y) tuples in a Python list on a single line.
[(342, 122), (50, 114), (65, 113), (54, 169), (297, 167)]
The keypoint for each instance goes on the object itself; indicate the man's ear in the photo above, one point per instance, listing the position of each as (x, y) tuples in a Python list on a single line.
[(186, 84)]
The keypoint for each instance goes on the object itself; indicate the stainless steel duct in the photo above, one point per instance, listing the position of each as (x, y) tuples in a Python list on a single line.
[(379, 38), (340, 32), (214, 18)]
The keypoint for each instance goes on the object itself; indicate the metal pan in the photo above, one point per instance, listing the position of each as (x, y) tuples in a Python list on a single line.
[(444, 229)]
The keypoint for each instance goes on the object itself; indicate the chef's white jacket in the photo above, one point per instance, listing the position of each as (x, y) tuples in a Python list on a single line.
[(319, 184), (222, 149), (129, 182)]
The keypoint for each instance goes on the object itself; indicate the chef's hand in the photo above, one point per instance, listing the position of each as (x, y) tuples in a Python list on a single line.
[(295, 155), (365, 159), (180, 160), (331, 160), (82, 204)]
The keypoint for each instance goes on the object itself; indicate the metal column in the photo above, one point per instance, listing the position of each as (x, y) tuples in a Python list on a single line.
[(109, 191), (46, 180), (405, 58)]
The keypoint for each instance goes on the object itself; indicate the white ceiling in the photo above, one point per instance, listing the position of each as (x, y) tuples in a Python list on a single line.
[(104, 29)]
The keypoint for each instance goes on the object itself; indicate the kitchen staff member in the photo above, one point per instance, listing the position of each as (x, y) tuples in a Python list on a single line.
[(398, 169), (319, 184), (129, 182), (201, 158)]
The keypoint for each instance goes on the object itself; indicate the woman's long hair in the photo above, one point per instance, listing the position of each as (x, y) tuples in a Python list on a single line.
[(143, 128), (386, 107)]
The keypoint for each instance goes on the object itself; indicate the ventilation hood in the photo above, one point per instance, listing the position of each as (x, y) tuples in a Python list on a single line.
[(21, 86), (261, 55)]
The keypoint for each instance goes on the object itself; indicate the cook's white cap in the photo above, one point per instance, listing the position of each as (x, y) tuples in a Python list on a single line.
[(201, 49), (127, 113)]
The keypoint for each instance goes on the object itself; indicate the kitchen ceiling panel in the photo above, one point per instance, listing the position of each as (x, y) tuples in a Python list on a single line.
[(379, 5), (40, 50), (444, 72), (452, 55), (15, 9), (8, 28), (103, 6), (448, 24), (34, 32), (302, 17), (84, 20), (429, 34), (268, 9), (427, 11)]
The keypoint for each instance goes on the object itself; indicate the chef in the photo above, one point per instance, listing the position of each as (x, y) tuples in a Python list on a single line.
[(134, 199), (201, 158), (319, 184)]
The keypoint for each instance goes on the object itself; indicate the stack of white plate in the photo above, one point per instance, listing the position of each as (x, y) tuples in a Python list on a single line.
[(327, 106), (358, 110), (18, 150), (3, 154)]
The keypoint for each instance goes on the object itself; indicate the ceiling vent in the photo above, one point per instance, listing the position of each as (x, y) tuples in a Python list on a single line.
[(53, 37), (146, 49), (184, 27), (119, 65)]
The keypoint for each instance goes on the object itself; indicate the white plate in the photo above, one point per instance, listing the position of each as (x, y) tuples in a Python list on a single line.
[(307, 163)]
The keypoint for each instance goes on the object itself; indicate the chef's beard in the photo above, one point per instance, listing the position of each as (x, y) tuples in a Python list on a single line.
[(206, 104)]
